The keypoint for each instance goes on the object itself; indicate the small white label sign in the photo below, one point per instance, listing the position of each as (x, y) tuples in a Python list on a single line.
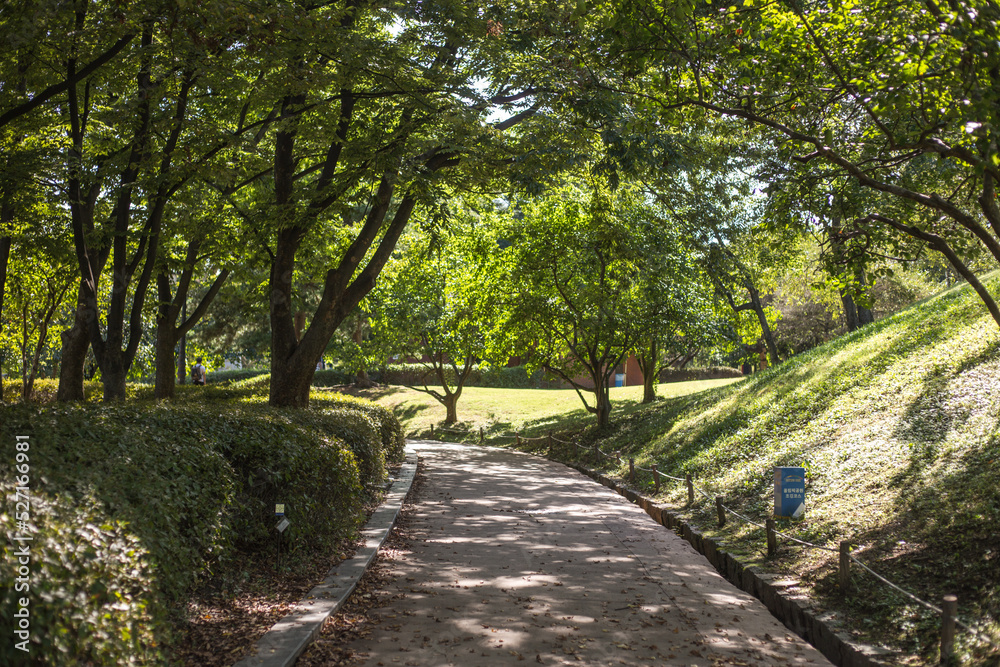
[(284, 523)]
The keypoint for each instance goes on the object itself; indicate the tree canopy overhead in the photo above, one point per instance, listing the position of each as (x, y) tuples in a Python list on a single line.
[(293, 143)]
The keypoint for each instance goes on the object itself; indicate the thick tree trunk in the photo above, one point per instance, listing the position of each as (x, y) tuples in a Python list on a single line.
[(603, 407), (451, 408), (850, 311), (166, 341), (114, 375), (75, 343), (648, 363), (290, 384), (182, 353)]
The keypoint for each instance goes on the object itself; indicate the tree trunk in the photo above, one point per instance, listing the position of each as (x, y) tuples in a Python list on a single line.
[(166, 341), (603, 407), (451, 407), (648, 363), (850, 311), (865, 315), (765, 328), (648, 388), (5, 242), (75, 343), (113, 375), (4, 258), (182, 354), (290, 384), (361, 379)]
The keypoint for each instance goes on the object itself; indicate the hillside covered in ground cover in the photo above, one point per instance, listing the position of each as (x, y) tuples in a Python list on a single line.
[(897, 428)]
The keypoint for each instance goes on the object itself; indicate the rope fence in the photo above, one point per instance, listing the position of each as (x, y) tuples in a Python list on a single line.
[(947, 611)]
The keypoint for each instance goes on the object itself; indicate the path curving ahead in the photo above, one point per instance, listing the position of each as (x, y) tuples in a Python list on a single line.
[(520, 560)]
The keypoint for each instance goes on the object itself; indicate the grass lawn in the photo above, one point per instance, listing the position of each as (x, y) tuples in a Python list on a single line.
[(502, 411)]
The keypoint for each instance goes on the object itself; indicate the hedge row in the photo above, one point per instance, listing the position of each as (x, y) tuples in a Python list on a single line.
[(512, 377), (133, 504), (509, 377), (691, 374)]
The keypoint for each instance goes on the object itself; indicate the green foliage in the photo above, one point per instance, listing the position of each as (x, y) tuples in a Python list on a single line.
[(91, 586), (390, 432), (355, 426), (434, 305), (231, 377), (586, 278), (185, 488), (44, 391), (291, 457)]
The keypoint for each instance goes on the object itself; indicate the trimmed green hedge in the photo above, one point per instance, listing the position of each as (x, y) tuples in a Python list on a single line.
[(512, 377), (228, 377), (692, 374), (90, 587), (146, 499), (389, 429)]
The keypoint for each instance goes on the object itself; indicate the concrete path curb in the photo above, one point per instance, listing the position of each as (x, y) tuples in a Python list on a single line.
[(288, 638)]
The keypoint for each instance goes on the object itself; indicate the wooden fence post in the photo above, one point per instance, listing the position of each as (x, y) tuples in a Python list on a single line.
[(772, 539), (631, 470), (690, 485), (656, 479), (550, 444), (518, 436), (432, 430), (845, 567), (721, 511), (595, 449), (949, 609), (480, 435)]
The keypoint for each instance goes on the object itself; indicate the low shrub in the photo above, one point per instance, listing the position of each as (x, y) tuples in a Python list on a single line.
[(154, 468), (89, 587), (186, 487), (389, 428), (333, 377), (692, 374), (231, 376), (355, 427), (293, 458), (44, 390)]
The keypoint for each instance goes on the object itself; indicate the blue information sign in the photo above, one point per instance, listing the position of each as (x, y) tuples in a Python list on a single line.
[(789, 492)]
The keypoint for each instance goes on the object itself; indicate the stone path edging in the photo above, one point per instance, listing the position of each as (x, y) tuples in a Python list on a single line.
[(288, 638), (798, 613)]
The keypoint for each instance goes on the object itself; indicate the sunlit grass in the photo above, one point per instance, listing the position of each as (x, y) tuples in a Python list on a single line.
[(532, 411)]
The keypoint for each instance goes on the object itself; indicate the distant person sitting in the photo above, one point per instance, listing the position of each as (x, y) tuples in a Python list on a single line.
[(198, 372)]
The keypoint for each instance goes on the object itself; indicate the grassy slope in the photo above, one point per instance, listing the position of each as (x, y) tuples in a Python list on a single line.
[(897, 426)]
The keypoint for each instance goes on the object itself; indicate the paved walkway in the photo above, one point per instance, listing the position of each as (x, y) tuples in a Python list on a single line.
[(516, 558)]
